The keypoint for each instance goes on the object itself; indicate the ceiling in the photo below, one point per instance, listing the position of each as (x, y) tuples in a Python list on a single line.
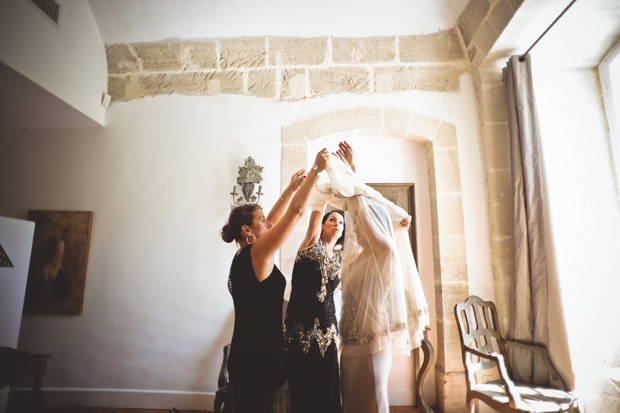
[(580, 39)]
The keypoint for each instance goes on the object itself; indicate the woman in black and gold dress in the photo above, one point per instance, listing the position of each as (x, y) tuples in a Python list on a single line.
[(311, 327)]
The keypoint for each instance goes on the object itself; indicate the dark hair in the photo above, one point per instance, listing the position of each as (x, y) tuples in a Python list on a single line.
[(239, 216), (344, 225)]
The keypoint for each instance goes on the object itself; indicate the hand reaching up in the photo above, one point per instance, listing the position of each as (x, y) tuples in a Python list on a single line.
[(345, 153)]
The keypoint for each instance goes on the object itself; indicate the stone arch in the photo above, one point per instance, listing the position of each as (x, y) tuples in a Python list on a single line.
[(448, 232)]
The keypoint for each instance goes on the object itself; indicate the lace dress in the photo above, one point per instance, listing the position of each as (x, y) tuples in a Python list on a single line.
[(311, 332)]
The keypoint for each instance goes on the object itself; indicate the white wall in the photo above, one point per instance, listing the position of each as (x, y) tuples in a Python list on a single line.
[(67, 60), (238, 18), (158, 177), (583, 224)]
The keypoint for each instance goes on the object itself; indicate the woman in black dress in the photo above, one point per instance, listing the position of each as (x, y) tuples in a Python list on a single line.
[(310, 327), (256, 363)]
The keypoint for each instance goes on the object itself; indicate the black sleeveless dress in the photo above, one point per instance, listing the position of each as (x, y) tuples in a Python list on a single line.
[(256, 364), (311, 332)]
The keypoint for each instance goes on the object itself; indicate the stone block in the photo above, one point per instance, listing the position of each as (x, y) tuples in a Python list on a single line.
[(474, 54), (368, 118), (441, 46), (294, 133), (315, 127), (453, 269), (122, 59), (294, 51), (448, 174), (485, 38), (445, 136), (471, 18), (293, 84), (500, 216), (396, 119), (363, 50), (117, 88), (262, 83), (196, 84), (342, 120), (450, 211), (452, 294), (496, 144), (383, 82), (499, 187), (494, 104), (245, 53), (501, 15), (491, 75), (502, 252), (334, 80), (451, 392), (177, 56), (452, 248), (436, 78)]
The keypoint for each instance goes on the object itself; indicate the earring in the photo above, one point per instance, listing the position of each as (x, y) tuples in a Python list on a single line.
[(247, 239)]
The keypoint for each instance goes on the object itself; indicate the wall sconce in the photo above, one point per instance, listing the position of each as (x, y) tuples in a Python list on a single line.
[(249, 177)]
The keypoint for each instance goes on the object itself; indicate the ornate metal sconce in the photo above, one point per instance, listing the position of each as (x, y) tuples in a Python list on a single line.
[(249, 177)]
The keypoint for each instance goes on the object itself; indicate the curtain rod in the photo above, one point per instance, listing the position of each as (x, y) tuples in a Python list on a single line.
[(522, 57)]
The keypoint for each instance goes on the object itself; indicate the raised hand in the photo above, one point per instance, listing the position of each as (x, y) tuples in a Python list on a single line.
[(346, 152), (322, 159), (406, 222), (297, 179)]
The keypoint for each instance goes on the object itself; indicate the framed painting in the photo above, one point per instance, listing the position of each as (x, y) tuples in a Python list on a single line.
[(402, 195), (57, 275)]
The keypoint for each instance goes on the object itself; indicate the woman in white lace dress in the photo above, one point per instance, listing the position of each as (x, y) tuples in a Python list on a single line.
[(383, 306)]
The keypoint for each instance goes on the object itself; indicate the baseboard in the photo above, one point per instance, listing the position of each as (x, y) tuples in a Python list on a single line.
[(120, 398), (152, 399), (400, 397)]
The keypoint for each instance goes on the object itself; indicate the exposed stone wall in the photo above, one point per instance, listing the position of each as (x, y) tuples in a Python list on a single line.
[(481, 24), (285, 68), (496, 154)]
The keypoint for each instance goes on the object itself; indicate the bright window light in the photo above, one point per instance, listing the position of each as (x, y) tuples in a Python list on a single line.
[(609, 71)]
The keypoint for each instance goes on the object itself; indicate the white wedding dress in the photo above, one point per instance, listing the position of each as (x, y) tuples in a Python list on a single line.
[(384, 310)]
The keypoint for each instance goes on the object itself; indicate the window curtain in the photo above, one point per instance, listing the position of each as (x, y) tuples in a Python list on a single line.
[(530, 313)]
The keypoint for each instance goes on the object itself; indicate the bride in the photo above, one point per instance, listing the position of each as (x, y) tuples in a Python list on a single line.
[(383, 305)]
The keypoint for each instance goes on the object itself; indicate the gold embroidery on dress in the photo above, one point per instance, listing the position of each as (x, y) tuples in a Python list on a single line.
[(330, 268), (307, 337)]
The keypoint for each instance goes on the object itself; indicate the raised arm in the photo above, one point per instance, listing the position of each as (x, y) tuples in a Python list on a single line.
[(266, 246), (313, 233), (280, 206)]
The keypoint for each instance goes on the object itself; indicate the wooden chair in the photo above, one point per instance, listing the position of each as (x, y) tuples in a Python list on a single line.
[(487, 366), (223, 396)]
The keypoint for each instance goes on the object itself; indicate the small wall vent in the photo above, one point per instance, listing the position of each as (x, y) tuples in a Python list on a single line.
[(49, 7)]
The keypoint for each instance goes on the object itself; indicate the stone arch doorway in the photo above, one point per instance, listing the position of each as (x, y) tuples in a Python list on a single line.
[(448, 233)]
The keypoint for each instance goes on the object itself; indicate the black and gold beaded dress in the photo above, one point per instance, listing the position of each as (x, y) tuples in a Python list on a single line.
[(311, 332)]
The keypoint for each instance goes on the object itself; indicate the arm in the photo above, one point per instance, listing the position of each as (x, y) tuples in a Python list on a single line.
[(314, 228), (280, 206), (266, 246)]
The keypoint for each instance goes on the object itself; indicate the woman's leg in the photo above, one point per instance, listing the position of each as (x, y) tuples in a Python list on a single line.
[(364, 383)]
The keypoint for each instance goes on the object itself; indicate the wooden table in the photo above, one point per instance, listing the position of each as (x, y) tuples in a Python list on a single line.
[(18, 365)]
